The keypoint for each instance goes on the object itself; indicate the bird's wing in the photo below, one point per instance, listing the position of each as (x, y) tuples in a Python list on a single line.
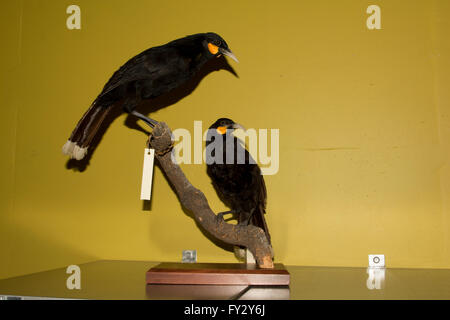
[(262, 194), (137, 68), (150, 64), (261, 198), (259, 184)]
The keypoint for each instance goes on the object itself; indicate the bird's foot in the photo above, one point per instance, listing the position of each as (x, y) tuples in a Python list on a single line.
[(244, 222), (152, 123), (221, 214)]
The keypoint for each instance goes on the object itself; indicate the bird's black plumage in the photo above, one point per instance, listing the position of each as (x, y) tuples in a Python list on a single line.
[(148, 75), (238, 181)]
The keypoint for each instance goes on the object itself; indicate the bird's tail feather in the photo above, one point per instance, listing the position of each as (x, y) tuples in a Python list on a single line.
[(258, 220), (77, 145)]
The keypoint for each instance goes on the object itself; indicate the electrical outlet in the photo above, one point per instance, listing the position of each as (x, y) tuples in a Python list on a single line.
[(376, 260)]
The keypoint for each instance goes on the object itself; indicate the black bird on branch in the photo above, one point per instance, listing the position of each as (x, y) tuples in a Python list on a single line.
[(235, 175), (150, 74)]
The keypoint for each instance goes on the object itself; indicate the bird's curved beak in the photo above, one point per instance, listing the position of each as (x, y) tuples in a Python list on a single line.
[(228, 53), (238, 126)]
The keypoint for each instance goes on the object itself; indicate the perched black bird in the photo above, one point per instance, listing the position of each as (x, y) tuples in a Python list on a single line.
[(235, 175), (148, 75)]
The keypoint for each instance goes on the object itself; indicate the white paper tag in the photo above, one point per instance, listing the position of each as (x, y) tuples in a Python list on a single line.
[(147, 174)]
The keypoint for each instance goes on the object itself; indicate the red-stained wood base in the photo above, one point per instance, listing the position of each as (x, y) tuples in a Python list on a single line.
[(217, 274)]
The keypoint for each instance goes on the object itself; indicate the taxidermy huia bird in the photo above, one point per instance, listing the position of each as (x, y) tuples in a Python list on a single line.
[(150, 74), (237, 179)]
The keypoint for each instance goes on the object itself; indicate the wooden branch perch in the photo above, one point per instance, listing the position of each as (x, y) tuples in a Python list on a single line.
[(195, 201)]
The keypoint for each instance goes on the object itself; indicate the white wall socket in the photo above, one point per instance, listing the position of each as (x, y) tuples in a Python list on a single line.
[(376, 260)]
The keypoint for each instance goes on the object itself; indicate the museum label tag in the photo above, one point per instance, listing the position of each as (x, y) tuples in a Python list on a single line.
[(147, 174)]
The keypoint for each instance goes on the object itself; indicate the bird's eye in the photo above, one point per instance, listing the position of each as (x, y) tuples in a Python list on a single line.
[(217, 43)]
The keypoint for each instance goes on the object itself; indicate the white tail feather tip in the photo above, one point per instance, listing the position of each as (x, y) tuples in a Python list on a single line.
[(79, 152), (68, 147), (239, 253)]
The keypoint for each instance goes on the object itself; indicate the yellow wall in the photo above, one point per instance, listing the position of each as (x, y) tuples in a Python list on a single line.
[(364, 119)]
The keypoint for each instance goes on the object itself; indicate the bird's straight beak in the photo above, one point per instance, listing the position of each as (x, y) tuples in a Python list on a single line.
[(228, 53)]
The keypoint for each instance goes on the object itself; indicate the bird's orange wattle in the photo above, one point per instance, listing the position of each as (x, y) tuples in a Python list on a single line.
[(222, 130), (213, 48)]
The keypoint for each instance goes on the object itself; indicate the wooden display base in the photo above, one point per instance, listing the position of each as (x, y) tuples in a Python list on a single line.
[(217, 274)]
